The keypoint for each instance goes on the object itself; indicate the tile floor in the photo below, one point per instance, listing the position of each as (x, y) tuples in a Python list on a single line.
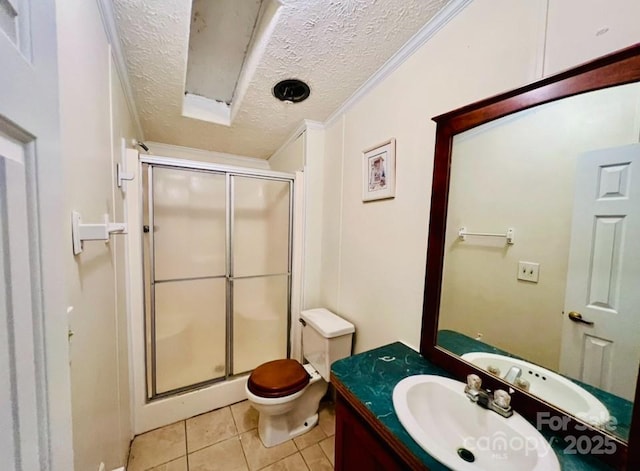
[(227, 440)]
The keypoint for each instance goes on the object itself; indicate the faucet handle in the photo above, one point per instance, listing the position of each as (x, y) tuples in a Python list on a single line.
[(502, 399), (473, 382), (522, 384)]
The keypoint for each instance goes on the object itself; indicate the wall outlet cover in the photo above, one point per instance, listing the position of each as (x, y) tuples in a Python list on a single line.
[(529, 271)]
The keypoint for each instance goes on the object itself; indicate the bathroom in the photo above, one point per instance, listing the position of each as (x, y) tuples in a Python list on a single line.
[(363, 261)]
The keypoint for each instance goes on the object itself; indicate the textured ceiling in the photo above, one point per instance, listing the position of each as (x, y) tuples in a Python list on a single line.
[(334, 45)]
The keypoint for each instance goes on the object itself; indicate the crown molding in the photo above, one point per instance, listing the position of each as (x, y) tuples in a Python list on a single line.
[(108, 21), (311, 124), (416, 42)]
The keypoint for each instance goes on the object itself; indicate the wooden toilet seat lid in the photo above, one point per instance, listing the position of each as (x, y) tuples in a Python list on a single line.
[(278, 378)]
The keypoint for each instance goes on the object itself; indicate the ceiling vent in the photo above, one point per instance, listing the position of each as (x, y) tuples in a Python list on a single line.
[(291, 91)]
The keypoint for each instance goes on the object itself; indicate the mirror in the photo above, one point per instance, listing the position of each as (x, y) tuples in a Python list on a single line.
[(534, 242), (562, 176)]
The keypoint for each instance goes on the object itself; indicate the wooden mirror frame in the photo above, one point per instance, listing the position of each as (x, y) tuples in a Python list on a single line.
[(619, 68)]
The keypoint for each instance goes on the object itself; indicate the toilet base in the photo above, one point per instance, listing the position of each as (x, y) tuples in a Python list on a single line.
[(305, 427), (276, 433)]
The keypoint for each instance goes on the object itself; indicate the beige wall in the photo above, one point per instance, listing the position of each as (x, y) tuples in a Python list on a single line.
[(306, 153), (289, 158), (122, 131), (314, 188), (580, 30), (332, 216), (519, 172), (94, 118), (373, 254)]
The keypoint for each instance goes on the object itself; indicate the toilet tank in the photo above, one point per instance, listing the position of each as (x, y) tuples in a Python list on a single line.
[(325, 338)]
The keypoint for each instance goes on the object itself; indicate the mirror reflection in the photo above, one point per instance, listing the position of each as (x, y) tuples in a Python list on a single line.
[(554, 310)]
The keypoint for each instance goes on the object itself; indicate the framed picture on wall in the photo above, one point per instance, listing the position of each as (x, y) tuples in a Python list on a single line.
[(379, 171)]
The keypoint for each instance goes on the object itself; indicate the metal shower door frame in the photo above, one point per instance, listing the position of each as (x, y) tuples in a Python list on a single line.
[(229, 172)]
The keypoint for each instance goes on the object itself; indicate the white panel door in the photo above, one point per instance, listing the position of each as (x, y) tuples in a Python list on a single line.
[(35, 416), (601, 345)]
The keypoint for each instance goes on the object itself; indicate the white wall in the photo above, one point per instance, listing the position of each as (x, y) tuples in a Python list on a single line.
[(94, 118), (373, 254)]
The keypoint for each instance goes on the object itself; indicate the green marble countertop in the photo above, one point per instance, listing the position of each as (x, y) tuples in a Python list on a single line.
[(371, 377), (618, 407)]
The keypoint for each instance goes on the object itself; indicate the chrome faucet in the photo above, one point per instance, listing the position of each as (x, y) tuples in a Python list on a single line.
[(499, 401), (513, 374)]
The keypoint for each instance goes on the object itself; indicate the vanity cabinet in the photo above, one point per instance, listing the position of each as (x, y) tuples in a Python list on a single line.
[(363, 443), (369, 436)]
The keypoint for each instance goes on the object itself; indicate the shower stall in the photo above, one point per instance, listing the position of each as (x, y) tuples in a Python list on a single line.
[(216, 250)]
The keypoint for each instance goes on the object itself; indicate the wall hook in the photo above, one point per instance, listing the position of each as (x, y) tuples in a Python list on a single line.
[(122, 176), (121, 168), (81, 232)]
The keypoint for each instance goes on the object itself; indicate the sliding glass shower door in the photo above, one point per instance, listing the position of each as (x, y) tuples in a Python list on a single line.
[(217, 250), (260, 270)]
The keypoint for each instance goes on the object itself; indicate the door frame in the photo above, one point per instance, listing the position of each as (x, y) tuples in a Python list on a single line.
[(26, 70)]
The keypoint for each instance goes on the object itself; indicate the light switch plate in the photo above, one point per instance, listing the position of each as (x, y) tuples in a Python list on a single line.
[(529, 271)]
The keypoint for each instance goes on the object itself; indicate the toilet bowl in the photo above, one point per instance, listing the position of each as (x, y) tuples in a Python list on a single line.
[(283, 418), (287, 394)]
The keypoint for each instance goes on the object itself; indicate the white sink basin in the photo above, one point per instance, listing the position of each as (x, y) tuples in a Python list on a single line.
[(444, 422), (548, 386)]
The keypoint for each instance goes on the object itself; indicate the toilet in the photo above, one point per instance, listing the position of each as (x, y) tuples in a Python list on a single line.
[(287, 394)]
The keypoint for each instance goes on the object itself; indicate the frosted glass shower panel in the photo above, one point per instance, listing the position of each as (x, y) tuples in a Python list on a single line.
[(260, 321), (189, 223), (190, 333), (260, 226)]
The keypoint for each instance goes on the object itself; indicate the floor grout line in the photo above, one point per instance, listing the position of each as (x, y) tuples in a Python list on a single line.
[(297, 449), (244, 455), (186, 444), (324, 452), (233, 417), (305, 461)]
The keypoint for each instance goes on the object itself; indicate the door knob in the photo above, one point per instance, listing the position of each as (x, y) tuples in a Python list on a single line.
[(577, 317)]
